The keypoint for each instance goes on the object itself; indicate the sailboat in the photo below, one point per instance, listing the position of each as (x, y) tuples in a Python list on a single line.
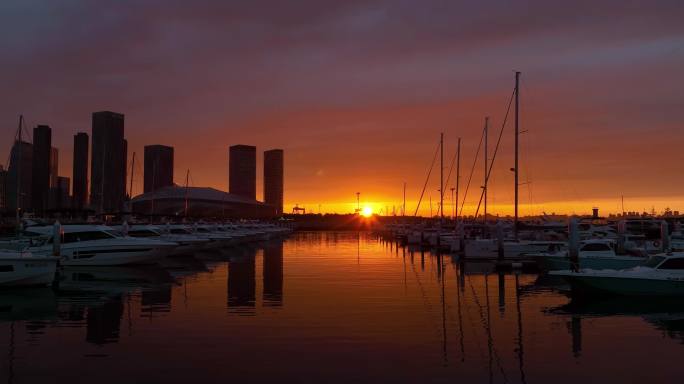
[(510, 249)]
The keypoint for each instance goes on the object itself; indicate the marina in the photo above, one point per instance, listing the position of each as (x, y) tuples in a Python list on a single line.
[(354, 307), (341, 192)]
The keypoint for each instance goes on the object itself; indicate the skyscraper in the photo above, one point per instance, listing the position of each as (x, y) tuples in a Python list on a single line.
[(80, 170), (19, 176), (54, 166), (40, 179), (274, 175), (242, 171), (3, 183), (108, 162), (158, 167)]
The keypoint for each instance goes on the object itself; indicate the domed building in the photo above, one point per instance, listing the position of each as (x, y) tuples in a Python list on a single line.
[(199, 202)]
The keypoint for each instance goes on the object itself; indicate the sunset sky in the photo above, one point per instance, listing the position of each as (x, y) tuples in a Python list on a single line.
[(357, 92)]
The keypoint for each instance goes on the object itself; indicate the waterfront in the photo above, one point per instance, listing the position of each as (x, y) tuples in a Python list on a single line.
[(328, 307)]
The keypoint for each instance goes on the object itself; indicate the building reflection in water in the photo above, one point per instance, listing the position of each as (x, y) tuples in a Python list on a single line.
[(104, 322), (242, 282), (273, 274), (156, 300)]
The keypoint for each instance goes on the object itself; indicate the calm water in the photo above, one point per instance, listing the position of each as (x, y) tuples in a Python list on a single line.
[(329, 307)]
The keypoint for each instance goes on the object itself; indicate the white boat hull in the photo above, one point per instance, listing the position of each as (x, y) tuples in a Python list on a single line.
[(557, 263), (22, 272)]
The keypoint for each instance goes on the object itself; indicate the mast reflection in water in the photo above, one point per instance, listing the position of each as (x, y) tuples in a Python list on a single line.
[(329, 307)]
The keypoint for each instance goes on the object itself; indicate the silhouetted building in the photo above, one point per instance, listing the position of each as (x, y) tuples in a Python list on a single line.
[(242, 172), (273, 274), (158, 167), (108, 162), (59, 194), (200, 202), (40, 178), (125, 168), (19, 173), (3, 182), (54, 166), (274, 178), (80, 171)]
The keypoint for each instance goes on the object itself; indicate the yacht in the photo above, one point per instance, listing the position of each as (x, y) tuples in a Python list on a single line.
[(187, 243), (661, 275), (99, 245), (24, 269), (513, 249), (206, 232), (593, 254)]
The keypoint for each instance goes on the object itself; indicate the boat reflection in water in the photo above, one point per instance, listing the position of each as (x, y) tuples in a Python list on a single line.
[(329, 307)]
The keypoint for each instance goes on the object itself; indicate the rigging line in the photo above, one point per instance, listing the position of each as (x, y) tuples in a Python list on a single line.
[(496, 150), (451, 168), (427, 180), (472, 169)]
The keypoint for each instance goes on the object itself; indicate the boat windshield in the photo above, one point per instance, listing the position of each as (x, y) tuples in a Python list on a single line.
[(654, 261), (676, 263), (87, 236), (143, 233), (596, 247)]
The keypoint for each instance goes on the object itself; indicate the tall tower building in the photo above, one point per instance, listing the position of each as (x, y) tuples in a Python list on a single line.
[(40, 178), (158, 167), (80, 170), (108, 162), (54, 166), (274, 178), (242, 171), (19, 177), (3, 183)]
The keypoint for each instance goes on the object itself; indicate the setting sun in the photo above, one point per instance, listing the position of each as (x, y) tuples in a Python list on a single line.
[(367, 211)]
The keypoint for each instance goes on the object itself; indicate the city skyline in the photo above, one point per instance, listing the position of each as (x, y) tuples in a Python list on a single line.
[(381, 90)]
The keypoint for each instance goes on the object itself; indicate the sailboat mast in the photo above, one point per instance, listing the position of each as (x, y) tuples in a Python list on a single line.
[(458, 176), (517, 133), (486, 171), (441, 177), (403, 209)]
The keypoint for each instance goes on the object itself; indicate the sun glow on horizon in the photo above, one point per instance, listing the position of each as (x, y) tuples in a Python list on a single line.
[(367, 211)]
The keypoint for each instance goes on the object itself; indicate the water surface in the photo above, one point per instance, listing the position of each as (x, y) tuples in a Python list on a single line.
[(329, 307)]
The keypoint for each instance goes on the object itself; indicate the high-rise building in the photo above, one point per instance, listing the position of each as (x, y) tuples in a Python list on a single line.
[(40, 179), (242, 171), (3, 182), (108, 162), (59, 194), (274, 178), (125, 166), (80, 170), (19, 177), (158, 167), (54, 166)]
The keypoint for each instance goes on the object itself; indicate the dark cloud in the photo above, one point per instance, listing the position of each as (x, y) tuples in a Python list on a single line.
[(283, 72)]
